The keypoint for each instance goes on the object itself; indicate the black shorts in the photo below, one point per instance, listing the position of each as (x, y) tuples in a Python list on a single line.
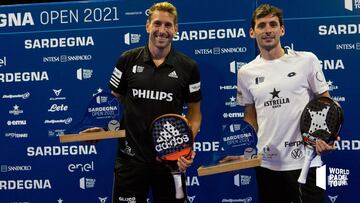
[(134, 180), (282, 187)]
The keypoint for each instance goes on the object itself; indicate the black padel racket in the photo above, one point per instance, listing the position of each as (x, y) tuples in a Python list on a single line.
[(172, 137), (321, 119)]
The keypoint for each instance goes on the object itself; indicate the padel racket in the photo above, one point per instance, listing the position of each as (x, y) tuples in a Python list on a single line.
[(172, 137), (321, 119)]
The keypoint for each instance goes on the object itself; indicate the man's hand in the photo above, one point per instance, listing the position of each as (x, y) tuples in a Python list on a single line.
[(231, 158), (184, 163), (323, 147)]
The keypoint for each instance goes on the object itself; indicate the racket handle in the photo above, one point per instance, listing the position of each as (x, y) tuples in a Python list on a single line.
[(179, 192), (309, 156)]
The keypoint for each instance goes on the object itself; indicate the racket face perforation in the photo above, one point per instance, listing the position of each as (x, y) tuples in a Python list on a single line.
[(172, 137), (321, 119)]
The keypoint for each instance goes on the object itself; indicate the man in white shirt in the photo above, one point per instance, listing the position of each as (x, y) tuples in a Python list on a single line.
[(274, 88)]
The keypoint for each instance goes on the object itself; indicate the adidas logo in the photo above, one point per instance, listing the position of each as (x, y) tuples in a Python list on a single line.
[(173, 75)]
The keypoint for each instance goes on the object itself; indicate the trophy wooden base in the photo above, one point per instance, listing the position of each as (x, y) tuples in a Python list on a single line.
[(229, 166), (91, 136)]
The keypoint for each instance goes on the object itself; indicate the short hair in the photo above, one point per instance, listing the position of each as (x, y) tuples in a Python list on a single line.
[(264, 10), (163, 6)]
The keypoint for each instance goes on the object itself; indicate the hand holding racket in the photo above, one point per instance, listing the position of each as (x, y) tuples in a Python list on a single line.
[(173, 139), (321, 119), (184, 163)]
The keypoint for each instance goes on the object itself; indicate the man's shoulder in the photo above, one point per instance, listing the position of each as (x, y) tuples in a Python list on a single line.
[(303, 54), (184, 58), (250, 64), (133, 52)]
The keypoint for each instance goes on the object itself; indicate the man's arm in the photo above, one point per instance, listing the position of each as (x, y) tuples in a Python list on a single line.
[(324, 94), (250, 115), (119, 96), (194, 116)]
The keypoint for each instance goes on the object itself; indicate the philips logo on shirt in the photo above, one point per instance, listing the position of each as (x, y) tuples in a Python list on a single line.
[(152, 94)]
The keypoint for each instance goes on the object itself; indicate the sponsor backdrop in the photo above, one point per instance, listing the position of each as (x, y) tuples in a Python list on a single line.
[(55, 57)]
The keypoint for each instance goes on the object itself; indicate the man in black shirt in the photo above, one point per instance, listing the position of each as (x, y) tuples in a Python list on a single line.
[(151, 81)]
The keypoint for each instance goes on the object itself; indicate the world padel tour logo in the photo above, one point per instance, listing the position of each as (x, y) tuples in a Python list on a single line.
[(336, 177), (131, 38), (241, 180), (82, 74), (86, 183), (101, 99), (235, 66), (352, 5)]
